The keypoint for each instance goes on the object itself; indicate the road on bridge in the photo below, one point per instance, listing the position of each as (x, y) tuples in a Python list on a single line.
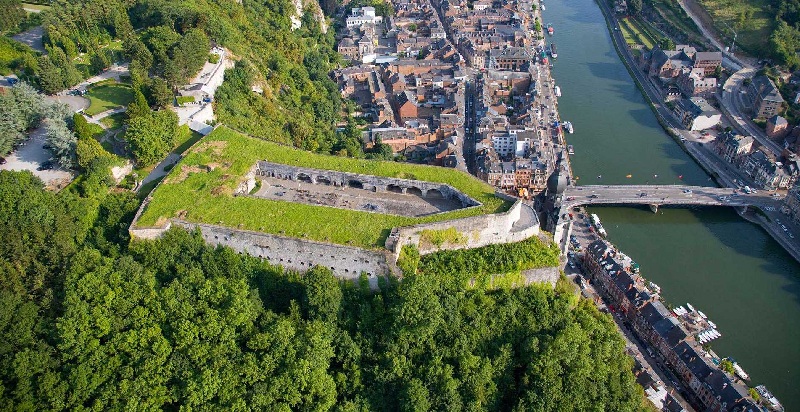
[(667, 195)]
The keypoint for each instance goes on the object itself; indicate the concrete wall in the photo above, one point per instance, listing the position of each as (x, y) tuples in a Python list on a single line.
[(517, 224), (346, 262)]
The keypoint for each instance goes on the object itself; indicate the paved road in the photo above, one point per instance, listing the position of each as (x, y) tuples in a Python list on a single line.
[(31, 155), (667, 195), (737, 111), (113, 72), (32, 37)]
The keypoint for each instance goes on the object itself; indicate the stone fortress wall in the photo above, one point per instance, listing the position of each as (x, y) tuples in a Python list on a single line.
[(518, 223), (346, 262), (366, 182)]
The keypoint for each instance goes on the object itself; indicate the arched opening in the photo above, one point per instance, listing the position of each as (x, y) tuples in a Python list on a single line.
[(304, 178), (414, 191), (394, 188), (323, 180), (435, 194), (356, 184)]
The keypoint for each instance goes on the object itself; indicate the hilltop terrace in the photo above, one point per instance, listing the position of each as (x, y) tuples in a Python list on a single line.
[(217, 183)]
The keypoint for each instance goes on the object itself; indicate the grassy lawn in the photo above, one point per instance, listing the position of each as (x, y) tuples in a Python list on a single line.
[(108, 96), (634, 34), (191, 138), (200, 187), (751, 19), (38, 7), (184, 99), (114, 121)]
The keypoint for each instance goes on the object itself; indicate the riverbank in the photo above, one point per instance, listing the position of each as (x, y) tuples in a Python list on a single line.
[(682, 137), (741, 277)]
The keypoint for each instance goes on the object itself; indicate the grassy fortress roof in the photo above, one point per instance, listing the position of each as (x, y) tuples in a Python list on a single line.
[(200, 189)]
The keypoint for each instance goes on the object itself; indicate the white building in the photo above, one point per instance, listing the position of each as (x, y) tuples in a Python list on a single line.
[(363, 15), (697, 114)]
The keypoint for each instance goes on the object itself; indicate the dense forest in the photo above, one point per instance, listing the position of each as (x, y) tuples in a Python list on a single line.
[(785, 40), (166, 42), (90, 320)]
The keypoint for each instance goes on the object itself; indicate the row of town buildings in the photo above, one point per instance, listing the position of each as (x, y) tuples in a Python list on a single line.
[(407, 81), (517, 144), (671, 338), (765, 170)]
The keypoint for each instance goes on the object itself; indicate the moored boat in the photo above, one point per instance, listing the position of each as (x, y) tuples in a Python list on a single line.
[(568, 127)]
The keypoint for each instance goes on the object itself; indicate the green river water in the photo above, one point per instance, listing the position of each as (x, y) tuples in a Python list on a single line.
[(723, 265)]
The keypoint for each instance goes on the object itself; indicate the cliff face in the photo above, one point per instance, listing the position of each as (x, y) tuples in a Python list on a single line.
[(312, 5)]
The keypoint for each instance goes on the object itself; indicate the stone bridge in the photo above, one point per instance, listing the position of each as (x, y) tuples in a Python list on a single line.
[(655, 196), (429, 190)]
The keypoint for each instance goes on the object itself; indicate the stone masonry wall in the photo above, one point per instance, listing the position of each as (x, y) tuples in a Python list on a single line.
[(345, 262), (517, 224), (367, 182)]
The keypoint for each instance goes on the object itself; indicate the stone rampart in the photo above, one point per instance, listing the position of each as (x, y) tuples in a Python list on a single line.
[(346, 262), (367, 182), (517, 224)]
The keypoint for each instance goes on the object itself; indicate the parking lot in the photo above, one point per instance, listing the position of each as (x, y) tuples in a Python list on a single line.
[(31, 155)]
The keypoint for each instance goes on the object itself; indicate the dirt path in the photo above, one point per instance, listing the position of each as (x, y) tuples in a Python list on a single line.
[(703, 21)]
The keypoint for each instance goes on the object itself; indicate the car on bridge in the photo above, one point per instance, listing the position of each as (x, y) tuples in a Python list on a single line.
[(593, 196), (688, 191)]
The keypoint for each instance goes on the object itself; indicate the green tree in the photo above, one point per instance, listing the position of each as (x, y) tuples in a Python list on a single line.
[(138, 107), (635, 7), (81, 127), (62, 141), (159, 93), (49, 75), (152, 136), (12, 14)]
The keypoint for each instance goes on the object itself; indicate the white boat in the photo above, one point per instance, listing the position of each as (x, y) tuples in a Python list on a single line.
[(570, 150), (691, 308), (740, 372), (769, 397), (702, 315), (712, 324), (568, 127), (598, 225), (543, 9), (557, 91)]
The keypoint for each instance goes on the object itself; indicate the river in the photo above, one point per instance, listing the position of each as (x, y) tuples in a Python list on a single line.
[(725, 266)]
